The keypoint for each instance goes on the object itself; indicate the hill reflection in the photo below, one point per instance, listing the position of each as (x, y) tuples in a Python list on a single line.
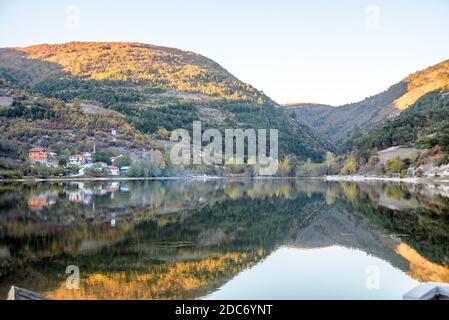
[(184, 239)]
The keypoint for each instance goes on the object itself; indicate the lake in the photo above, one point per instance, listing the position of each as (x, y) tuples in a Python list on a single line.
[(222, 239)]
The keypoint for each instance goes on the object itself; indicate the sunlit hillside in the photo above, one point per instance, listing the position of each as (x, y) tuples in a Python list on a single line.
[(152, 66), (342, 123), (422, 82)]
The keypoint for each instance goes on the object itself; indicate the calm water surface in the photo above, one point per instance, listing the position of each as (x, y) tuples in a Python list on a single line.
[(262, 239)]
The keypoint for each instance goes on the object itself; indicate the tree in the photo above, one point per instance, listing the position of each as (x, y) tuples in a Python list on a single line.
[(62, 162), (350, 165), (76, 104), (164, 133), (122, 161), (330, 160), (397, 165), (285, 167), (102, 156)]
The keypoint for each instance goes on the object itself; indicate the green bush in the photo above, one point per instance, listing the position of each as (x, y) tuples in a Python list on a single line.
[(396, 165), (10, 174), (350, 166)]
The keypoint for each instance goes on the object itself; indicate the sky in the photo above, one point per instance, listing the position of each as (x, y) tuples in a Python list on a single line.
[(330, 52)]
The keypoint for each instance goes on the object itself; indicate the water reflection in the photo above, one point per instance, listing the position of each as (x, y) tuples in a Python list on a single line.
[(286, 273), (191, 239)]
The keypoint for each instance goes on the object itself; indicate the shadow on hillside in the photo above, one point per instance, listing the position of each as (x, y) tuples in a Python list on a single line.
[(17, 67)]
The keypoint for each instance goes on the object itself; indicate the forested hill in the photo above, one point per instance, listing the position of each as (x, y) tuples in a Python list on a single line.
[(141, 90), (424, 125), (136, 63), (340, 124)]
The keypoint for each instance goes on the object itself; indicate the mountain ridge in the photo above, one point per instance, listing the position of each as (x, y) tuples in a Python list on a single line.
[(342, 123), (152, 90), (157, 66)]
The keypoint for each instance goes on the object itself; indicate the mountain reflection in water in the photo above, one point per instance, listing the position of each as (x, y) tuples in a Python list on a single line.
[(225, 239)]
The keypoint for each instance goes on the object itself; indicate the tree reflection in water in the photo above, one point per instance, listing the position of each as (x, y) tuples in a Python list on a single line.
[(184, 239)]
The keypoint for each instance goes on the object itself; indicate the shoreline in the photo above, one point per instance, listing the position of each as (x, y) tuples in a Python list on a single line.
[(61, 179), (205, 178), (329, 178), (358, 178)]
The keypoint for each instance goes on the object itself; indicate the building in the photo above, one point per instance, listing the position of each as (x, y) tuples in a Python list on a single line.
[(38, 155), (87, 156), (112, 170), (114, 135), (124, 170), (100, 164), (76, 159)]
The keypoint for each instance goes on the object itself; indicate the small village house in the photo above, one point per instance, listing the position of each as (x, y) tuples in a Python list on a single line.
[(112, 170), (87, 156), (124, 170), (100, 164), (76, 159), (114, 135), (38, 155)]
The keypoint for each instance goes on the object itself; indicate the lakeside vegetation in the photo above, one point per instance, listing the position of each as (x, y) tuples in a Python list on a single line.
[(421, 132), (425, 124), (142, 93)]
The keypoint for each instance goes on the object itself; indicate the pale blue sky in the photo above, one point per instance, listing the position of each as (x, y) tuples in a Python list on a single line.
[(315, 51)]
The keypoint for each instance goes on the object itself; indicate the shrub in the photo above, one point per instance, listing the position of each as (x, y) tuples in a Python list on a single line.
[(396, 165), (350, 166), (11, 174)]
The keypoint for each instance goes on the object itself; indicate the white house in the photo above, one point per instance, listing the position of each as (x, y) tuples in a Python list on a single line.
[(100, 164), (112, 170), (124, 169), (114, 135), (87, 156), (76, 159)]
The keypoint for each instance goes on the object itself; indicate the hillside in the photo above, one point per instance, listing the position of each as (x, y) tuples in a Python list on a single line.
[(425, 124), (422, 82), (413, 144), (310, 113), (138, 65), (29, 120), (340, 124), (65, 97)]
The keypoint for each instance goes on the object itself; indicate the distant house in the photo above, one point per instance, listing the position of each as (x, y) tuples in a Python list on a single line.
[(124, 170), (87, 156), (100, 164), (38, 155), (76, 159), (114, 134), (112, 170)]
